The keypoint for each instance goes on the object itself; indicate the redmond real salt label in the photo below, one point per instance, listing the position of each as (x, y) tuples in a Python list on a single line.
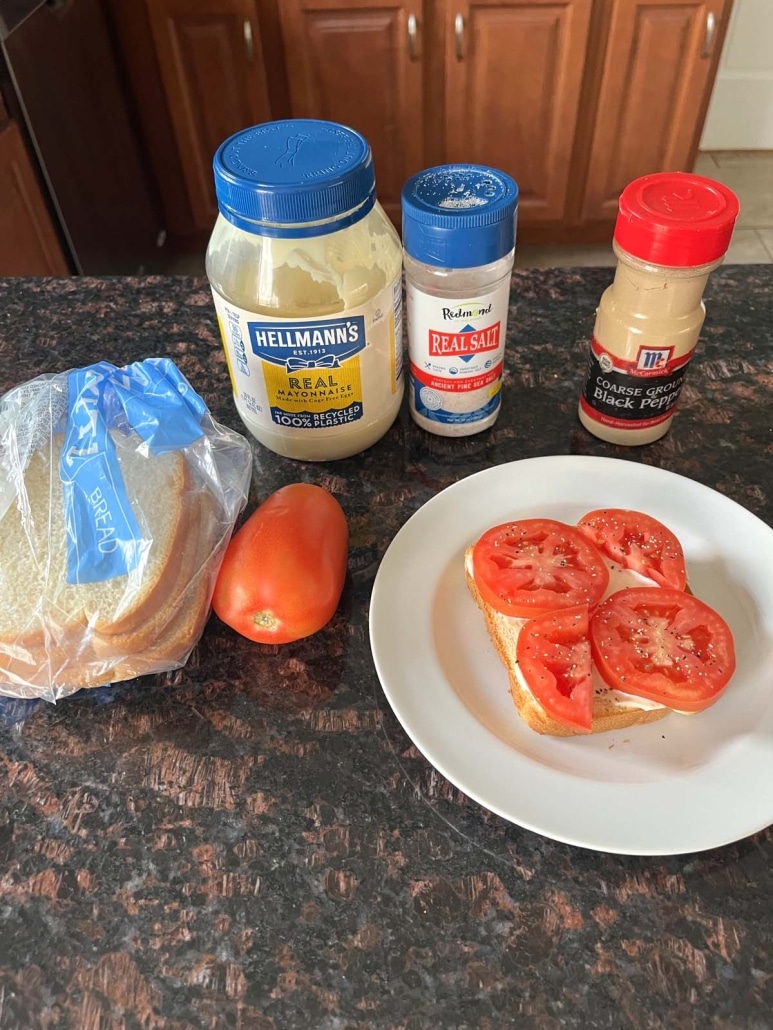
[(457, 355)]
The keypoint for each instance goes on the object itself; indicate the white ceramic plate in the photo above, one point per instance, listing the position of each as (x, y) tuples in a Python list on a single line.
[(685, 783)]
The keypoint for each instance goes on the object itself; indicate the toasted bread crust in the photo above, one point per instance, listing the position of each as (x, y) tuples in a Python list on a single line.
[(607, 713)]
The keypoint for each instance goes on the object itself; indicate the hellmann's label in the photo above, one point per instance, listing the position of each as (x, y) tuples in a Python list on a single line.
[(314, 374), (456, 352), (633, 394)]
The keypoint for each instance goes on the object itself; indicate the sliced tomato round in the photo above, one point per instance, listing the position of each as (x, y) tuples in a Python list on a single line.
[(534, 566), (554, 658), (664, 645), (639, 542)]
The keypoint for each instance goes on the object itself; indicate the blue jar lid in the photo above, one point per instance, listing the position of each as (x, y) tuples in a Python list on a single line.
[(275, 178), (459, 216)]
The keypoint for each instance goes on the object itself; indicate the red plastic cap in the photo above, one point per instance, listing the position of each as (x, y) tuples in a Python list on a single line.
[(676, 219)]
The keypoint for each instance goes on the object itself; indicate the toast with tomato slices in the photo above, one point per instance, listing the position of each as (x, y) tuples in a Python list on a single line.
[(610, 712), (553, 595)]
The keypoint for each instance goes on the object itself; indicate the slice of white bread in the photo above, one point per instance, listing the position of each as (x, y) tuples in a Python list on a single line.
[(37, 605), (610, 711), (169, 623), (60, 671), (161, 643), (59, 638), (177, 615)]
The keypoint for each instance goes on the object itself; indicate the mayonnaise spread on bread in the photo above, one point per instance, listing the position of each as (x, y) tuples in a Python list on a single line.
[(619, 579)]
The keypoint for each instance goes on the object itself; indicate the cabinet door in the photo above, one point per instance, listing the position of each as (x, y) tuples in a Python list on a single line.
[(659, 65), (211, 64), (513, 78), (360, 63), (28, 241)]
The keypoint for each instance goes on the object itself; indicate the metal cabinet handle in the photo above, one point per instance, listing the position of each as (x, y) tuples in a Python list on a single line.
[(413, 37), (710, 35), (248, 45), (459, 34)]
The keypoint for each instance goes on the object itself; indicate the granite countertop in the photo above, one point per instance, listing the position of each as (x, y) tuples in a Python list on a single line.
[(254, 842)]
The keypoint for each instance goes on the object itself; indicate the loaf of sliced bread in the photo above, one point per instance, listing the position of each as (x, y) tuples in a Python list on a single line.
[(56, 637), (36, 601)]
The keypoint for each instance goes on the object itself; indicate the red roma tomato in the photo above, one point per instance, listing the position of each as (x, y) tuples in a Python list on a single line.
[(637, 542), (535, 566), (554, 658), (284, 570), (664, 645)]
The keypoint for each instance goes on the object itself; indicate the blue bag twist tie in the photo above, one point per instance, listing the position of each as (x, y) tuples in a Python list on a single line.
[(153, 399)]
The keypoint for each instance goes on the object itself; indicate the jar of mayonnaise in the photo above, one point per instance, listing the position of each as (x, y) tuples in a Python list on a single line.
[(305, 270), (673, 229)]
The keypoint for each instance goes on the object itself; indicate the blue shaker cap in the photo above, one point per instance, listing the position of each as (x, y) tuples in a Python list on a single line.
[(275, 178), (459, 215)]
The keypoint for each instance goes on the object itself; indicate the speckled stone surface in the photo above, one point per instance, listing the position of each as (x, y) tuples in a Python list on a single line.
[(253, 842)]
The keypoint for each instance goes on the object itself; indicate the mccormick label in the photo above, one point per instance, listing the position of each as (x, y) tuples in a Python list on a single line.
[(456, 350), (314, 374), (632, 394)]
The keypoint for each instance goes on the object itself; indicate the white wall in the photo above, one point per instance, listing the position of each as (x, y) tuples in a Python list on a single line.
[(740, 115)]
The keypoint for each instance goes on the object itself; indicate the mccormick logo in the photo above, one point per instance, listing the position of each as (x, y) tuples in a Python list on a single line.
[(653, 359), (308, 344), (464, 344)]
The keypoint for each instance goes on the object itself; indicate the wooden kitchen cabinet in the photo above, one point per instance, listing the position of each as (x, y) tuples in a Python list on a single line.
[(373, 66), (211, 64), (514, 71), (28, 241), (658, 68), (574, 98), (360, 64)]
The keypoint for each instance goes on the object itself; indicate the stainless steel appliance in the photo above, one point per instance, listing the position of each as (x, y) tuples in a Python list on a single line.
[(63, 71)]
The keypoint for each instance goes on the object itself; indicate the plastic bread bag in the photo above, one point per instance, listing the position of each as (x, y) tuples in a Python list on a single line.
[(118, 496)]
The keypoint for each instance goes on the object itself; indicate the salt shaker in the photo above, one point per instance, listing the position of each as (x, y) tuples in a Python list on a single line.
[(458, 251)]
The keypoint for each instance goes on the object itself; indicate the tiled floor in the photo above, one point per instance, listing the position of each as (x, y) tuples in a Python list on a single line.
[(749, 174)]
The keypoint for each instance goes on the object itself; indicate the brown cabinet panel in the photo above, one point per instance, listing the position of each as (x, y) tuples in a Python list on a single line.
[(28, 240), (211, 64), (574, 98), (656, 77), (513, 77), (360, 64)]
